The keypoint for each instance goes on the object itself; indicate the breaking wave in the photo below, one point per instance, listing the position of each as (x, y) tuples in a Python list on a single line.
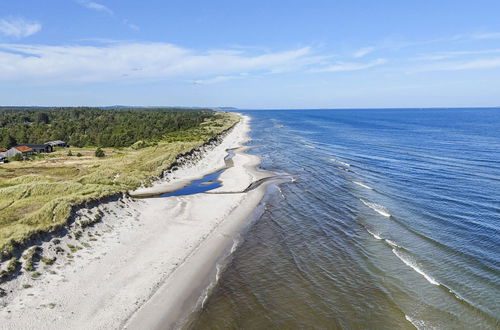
[(362, 185), (377, 208), (373, 234), (335, 160), (416, 323), (411, 263)]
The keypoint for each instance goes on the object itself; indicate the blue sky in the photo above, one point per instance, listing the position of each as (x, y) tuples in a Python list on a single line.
[(250, 54)]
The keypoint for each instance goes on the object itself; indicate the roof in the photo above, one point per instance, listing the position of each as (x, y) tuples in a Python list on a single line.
[(56, 142), (31, 145), (3, 149), (23, 148)]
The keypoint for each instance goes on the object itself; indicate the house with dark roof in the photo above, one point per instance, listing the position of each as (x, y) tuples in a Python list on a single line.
[(57, 143), (45, 148)]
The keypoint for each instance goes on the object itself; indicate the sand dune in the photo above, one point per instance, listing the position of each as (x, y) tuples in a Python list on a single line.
[(154, 258)]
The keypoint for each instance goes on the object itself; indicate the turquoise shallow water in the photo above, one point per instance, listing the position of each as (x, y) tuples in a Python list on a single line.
[(393, 222)]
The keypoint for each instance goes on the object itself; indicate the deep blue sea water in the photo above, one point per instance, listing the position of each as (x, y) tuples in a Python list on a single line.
[(393, 222)]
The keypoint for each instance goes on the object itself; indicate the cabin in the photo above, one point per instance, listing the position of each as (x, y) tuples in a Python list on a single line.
[(40, 148), (57, 143), (23, 150)]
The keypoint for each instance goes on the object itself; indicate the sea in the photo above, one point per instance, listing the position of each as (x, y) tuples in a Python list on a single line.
[(391, 221)]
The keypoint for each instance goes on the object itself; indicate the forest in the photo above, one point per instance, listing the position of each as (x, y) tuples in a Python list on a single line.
[(83, 126)]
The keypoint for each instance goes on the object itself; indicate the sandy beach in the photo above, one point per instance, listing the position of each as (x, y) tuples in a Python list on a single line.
[(149, 261)]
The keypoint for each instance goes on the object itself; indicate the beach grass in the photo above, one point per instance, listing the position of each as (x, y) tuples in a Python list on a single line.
[(38, 195)]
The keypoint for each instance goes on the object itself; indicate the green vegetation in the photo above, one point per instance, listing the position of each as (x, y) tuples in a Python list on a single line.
[(17, 157), (11, 268), (30, 257), (90, 222), (82, 127), (35, 275), (38, 195), (49, 261), (99, 153)]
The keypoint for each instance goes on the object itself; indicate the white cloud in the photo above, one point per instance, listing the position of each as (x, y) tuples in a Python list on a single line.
[(477, 36), (96, 6), (219, 79), (140, 61), (18, 27), (454, 54), (476, 64), (363, 51), (350, 66)]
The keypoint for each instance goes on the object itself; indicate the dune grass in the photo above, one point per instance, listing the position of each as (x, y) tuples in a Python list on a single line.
[(38, 195)]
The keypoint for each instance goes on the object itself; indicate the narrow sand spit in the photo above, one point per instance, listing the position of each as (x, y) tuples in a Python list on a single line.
[(148, 263)]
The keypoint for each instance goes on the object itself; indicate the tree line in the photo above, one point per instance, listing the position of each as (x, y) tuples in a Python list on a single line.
[(83, 126)]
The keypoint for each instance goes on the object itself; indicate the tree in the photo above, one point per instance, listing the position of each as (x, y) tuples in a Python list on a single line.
[(9, 141), (99, 153), (42, 118)]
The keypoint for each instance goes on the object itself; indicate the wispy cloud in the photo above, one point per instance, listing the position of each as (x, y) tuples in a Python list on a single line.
[(477, 36), (436, 56), (18, 27), (362, 52), (95, 6), (103, 9), (130, 25), (141, 61), (219, 79), (475, 64), (350, 66)]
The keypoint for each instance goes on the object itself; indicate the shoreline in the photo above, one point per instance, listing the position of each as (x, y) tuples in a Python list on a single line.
[(143, 251)]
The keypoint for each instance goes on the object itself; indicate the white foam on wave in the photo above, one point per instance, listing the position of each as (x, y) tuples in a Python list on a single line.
[(414, 266), (419, 324), (361, 184), (335, 160), (281, 192), (377, 208), (392, 243), (373, 234), (309, 146)]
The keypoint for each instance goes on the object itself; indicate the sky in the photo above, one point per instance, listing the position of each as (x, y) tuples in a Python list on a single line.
[(250, 54)]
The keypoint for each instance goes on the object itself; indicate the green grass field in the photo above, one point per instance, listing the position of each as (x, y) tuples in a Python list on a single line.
[(38, 195)]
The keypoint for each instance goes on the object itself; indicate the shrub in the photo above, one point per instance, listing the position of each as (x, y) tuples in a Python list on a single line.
[(11, 268), (18, 157), (99, 153), (30, 257), (70, 153), (78, 155), (78, 234), (90, 222), (49, 261)]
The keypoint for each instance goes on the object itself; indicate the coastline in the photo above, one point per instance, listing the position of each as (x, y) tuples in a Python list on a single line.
[(145, 253)]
